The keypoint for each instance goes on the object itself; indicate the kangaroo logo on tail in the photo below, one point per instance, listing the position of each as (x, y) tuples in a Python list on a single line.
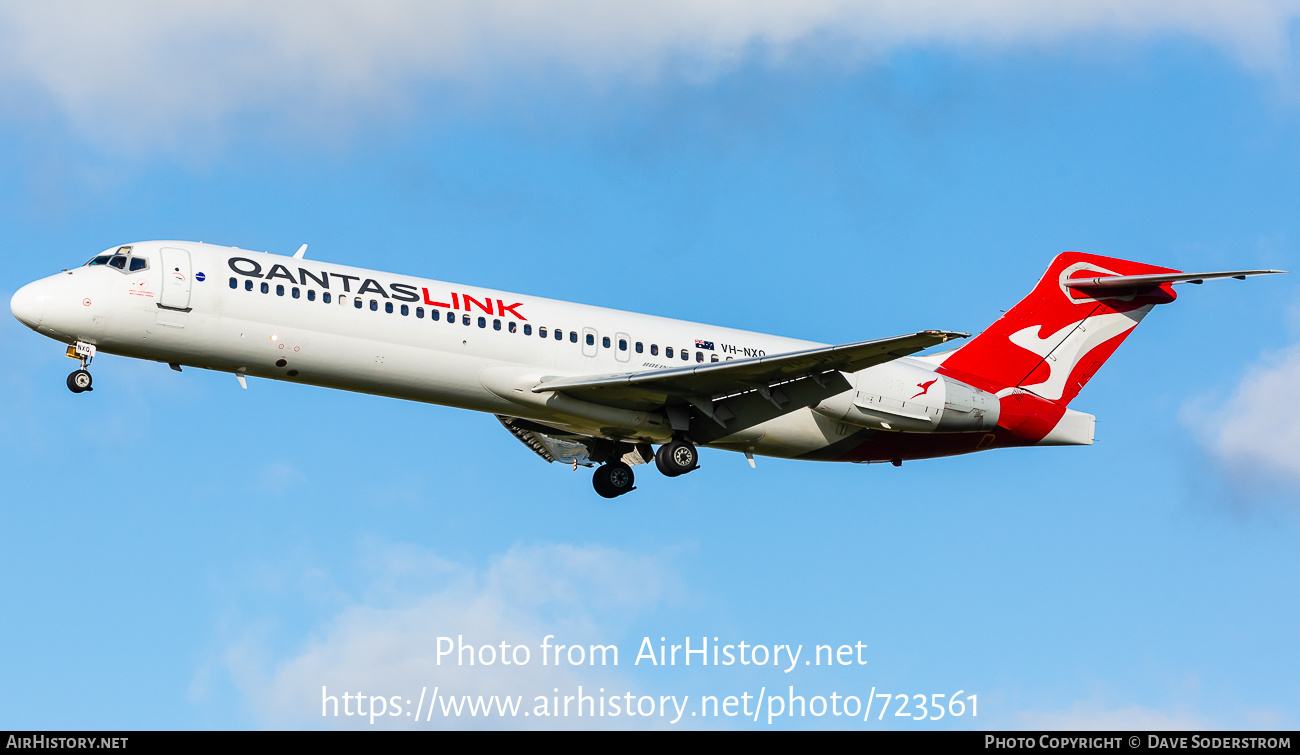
[(1063, 350)]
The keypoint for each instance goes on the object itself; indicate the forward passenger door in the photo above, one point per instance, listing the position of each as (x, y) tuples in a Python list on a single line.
[(176, 280)]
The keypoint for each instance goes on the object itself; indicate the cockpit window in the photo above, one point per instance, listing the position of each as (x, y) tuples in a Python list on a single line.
[(120, 260)]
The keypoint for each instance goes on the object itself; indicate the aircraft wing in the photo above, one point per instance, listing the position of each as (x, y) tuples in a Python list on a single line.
[(716, 379)]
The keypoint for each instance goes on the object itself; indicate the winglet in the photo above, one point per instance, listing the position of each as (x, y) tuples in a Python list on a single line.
[(301, 251)]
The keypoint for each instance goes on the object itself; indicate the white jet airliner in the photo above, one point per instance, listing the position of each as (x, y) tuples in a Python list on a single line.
[(587, 385)]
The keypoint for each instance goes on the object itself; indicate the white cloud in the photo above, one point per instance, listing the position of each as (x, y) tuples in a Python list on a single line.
[(1253, 434), (386, 643), (157, 68)]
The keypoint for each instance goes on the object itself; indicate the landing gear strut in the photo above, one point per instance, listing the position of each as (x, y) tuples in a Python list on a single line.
[(80, 380), (677, 458), (613, 479)]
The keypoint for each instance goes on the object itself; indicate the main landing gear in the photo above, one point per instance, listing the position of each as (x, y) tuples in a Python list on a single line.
[(79, 381), (614, 478), (677, 458)]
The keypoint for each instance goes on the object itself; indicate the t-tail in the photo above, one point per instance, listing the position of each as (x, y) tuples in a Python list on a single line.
[(1043, 351)]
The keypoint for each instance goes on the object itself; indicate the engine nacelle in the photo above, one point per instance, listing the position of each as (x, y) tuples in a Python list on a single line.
[(966, 408), (903, 397)]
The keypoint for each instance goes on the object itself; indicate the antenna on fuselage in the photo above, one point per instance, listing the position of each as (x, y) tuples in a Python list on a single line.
[(301, 251)]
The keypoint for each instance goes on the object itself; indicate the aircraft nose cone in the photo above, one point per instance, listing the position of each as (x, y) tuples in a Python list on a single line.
[(28, 305)]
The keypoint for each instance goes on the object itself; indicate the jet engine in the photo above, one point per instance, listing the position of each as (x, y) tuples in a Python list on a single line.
[(904, 397)]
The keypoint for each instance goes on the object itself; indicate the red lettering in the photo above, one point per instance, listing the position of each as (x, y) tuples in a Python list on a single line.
[(433, 303), (502, 309), (486, 308)]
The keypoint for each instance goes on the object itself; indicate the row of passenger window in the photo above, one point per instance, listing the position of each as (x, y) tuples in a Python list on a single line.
[(436, 315)]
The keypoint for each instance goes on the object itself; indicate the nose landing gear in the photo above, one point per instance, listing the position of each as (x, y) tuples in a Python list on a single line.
[(80, 380)]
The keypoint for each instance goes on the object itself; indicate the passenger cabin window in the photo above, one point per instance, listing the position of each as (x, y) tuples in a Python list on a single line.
[(639, 348), (559, 334), (654, 349), (356, 304), (668, 352), (465, 319), (541, 332), (233, 283), (325, 297), (435, 314), (266, 288), (496, 325), (388, 307), (685, 357), (605, 342), (591, 340), (482, 322), (405, 310), (573, 336), (699, 356), (713, 357), (296, 293), (248, 285), (311, 294), (419, 313), (528, 330), (513, 326), (279, 289), (622, 344)]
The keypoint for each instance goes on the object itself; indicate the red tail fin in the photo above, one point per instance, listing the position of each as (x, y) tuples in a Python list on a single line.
[(1056, 338)]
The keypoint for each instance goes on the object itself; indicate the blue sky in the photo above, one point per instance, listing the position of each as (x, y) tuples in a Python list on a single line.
[(183, 554)]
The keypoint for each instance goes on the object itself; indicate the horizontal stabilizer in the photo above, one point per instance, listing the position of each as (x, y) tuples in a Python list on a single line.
[(1140, 281)]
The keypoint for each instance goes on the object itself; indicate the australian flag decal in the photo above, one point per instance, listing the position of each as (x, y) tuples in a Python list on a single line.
[(707, 345)]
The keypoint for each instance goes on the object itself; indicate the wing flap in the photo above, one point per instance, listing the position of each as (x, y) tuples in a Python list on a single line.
[(550, 446), (571, 448)]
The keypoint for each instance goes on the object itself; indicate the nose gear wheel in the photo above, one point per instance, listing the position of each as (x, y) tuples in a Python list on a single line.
[(79, 381)]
